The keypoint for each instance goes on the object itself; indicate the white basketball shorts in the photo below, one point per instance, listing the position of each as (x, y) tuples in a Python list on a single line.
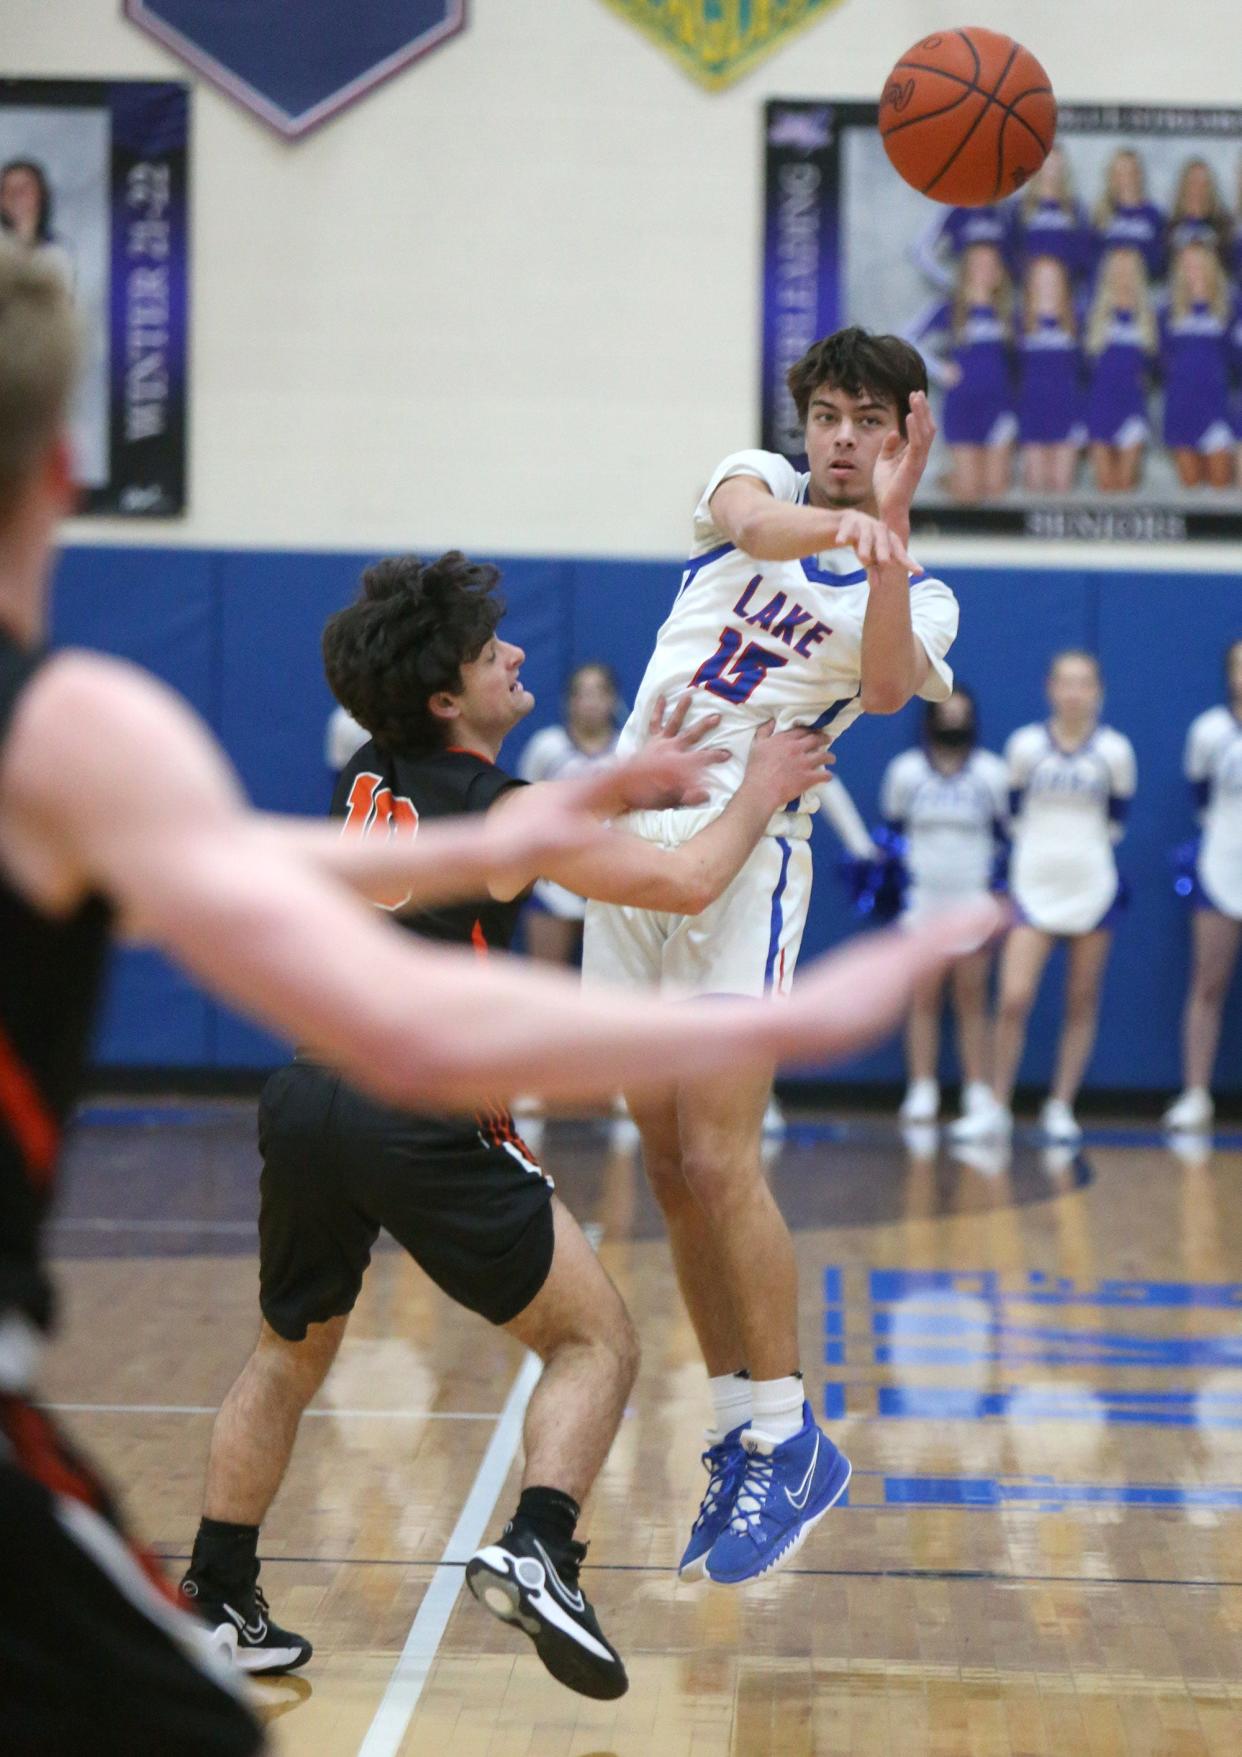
[(745, 943)]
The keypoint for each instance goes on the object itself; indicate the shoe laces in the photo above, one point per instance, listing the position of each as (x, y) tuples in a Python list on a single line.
[(724, 1465), (752, 1496)]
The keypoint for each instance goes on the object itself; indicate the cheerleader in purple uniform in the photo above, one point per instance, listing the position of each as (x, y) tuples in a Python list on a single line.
[(1050, 402), (1199, 215), (1121, 347), (974, 367), (1051, 221), (939, 252), (1196, 346), (1125, 219)]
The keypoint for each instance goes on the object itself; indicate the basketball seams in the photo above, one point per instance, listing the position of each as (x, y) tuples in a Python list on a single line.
[(974, 55), (931, 115), (968, 157), (1007, 105), (1011, 109), (969, 135)]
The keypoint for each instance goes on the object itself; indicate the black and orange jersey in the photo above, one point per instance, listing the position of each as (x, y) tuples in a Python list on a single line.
[(382, 794), (50, 976), (379, 794)]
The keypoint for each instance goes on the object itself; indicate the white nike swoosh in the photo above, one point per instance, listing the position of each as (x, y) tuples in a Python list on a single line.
[(798, 1501), (255, 1634), (574, 1600)]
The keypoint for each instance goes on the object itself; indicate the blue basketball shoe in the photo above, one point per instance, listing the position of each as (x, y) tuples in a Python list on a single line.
[(725, 1464), (786, 1489)]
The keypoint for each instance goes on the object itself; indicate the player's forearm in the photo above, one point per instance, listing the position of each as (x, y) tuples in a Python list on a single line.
[(416, 1025), (448, 861), (893, 660), (708, 863), (772, 530)]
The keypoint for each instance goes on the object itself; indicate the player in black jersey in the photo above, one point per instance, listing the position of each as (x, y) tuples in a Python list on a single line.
[(119, 813), (418, 662)]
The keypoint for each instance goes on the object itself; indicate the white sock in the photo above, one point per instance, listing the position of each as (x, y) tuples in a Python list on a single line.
[(778, 1407), (731, 1405)]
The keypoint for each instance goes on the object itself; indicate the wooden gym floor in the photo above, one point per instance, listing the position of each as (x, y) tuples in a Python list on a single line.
[(1036, 1368)]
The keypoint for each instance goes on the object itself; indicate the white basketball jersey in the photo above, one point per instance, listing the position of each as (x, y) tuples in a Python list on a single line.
[(1067, 817), (1214, 757), (775, 640), (949, 822)]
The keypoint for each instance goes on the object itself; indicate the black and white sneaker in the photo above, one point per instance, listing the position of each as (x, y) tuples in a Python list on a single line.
[(245, 1629), (520, 1583)]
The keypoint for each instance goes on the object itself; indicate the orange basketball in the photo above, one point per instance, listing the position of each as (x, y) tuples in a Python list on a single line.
[(967, 116)]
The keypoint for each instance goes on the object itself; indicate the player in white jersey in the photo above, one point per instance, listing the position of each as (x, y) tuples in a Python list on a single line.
[(1214, 769), (1071, 781), (797, 604), (948, 800)]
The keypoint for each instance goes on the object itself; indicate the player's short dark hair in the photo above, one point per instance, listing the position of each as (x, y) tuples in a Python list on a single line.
[(853, 360), (407, 637)]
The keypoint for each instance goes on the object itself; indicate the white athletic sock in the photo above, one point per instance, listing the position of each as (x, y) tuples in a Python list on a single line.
[(778, 1407), (730, 1402)]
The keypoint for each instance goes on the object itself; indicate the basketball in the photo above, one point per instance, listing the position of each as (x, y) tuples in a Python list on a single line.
[(967, 116)]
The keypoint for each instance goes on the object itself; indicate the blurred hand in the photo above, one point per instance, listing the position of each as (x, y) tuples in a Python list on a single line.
[(855, 997)]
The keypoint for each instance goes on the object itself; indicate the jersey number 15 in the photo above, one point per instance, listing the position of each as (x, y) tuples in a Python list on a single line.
[(732, 674)]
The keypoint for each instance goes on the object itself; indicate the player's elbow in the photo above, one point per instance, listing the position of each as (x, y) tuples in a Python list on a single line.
[(693, 896), (883, 698)]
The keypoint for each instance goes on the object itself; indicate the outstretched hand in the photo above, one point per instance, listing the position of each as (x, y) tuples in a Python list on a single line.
[(854, 998), (901, 463)]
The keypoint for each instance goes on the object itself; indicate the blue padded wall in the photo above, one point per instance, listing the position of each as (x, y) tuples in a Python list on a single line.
[(238, 633)]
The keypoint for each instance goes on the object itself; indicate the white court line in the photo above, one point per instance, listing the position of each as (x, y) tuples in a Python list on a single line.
[(214, 1409), (400, 1699)]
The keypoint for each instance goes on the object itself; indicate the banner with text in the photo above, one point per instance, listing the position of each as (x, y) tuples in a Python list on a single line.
[(93, 178), (1083, 339)]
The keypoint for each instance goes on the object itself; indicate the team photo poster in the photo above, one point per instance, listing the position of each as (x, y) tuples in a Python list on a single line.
[(1083, 339), (93, 179)]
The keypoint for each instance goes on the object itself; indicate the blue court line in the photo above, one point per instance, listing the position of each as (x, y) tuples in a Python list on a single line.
[(130, 1116), (1182, 1409), (889, 1285), (1042, 1494), (971, 1341), (916, 1355), (803, 1132)]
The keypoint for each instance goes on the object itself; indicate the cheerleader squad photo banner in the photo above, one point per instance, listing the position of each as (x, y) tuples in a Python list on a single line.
[(93, 180), (1083, 339)]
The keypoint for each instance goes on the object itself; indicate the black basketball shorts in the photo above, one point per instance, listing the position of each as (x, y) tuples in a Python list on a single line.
[(95, 1654), (476, 1215)]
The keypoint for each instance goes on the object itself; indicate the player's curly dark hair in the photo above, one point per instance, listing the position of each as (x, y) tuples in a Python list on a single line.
[(409, 634), (854, 360)]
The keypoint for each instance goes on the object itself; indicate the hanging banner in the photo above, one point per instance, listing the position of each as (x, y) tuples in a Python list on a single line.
[(296, 64), (93, 178), (717, 41), (1083, 339)]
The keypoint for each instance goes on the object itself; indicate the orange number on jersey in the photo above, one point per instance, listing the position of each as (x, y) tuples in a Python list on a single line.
[(372, 809)]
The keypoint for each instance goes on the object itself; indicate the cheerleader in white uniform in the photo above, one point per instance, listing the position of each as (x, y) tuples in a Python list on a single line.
[(1214, 770), (588, 737), (948, 800), (1071, 781)]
